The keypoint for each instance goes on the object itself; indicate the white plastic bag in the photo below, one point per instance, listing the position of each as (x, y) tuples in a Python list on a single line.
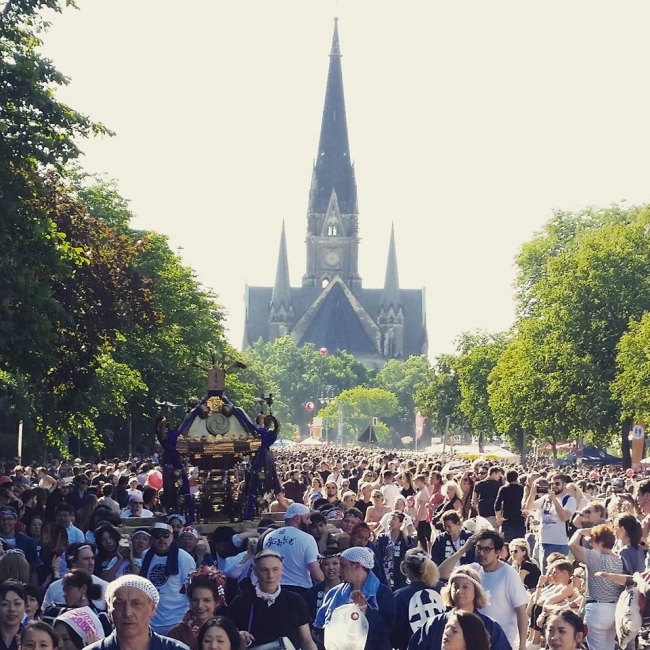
[(347, 629)]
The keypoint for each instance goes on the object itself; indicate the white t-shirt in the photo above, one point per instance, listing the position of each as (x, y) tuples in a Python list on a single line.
[(390, 492), (54, 593), (552, 529), (298, 549), (506, 591), (173, 604)]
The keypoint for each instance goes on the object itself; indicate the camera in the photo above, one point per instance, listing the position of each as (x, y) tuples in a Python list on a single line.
[(542, 489)]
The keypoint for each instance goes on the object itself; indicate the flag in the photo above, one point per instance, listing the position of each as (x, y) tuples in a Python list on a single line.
[(419, 425)]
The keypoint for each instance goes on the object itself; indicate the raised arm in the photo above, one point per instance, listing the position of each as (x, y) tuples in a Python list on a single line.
[(448, 565), (575, 545)]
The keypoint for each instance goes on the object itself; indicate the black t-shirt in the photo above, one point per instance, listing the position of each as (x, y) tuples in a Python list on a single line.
[(530, 581), (487, 490), (283, 618), (363, 506), (509, 501)]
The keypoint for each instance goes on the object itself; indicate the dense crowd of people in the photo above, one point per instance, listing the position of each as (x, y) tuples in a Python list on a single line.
[(359, 548)]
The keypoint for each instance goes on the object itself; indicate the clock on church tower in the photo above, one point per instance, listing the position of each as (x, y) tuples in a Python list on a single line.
[(332, 258)]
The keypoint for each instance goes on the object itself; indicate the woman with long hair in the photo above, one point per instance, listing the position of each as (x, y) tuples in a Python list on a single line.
[(466, 483), (406, 481), (205, 592), (422, 576), (108, 558), (314, 491), (628, 535), (464, 593), (50, 548), (521, 561), (84, 515)]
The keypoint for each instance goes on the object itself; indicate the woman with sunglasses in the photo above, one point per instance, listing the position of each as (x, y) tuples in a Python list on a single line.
[(377, 510), (528, 571)]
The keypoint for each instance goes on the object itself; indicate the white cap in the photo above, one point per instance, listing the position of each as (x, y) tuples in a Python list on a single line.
[(296, 509)]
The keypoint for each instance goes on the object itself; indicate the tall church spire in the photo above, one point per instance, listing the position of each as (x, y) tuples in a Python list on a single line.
[(390, 296), (281, 296), (333, 168)]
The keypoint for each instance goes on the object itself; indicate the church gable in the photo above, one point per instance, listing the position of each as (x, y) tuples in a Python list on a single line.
[(337, 321)]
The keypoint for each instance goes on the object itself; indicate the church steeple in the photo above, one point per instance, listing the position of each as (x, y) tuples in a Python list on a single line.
[(391, 313), (333, 168), (333, 213), (281, 307), (390, 296)]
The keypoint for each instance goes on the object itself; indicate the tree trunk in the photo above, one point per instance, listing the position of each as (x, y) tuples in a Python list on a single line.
[(625, 443)]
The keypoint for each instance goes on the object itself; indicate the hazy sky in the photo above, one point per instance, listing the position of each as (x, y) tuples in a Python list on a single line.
[(469, 123)]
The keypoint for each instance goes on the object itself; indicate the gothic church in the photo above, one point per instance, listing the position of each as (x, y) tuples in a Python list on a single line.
[(332, 309)]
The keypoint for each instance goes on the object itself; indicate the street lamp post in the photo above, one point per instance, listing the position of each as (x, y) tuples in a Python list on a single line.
[(326, 396)]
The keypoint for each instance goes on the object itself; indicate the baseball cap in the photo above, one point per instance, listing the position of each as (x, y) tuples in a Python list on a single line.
[(618, 483), (4, 479), (296, 509)]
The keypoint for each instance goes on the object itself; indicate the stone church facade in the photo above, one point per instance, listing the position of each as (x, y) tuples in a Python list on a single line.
[(332, 309)]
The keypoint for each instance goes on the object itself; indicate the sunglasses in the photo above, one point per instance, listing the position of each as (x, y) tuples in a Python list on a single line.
[(161, 535)]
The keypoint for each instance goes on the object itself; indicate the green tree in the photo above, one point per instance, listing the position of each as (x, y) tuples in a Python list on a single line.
[(478, 355), (578, 294), (438, 399), (631, 387), (358, 406), (303, 374), (403, 379)]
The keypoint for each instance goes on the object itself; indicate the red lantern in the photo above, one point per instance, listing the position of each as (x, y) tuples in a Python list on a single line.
[(323, 352), (310, 406)]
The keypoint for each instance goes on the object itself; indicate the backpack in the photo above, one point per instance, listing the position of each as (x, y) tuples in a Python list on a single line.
[(570, 528), (633, 609)]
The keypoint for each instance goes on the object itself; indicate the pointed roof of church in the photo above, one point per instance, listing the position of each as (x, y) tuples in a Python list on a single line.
[(282, 288), (333, 168), (391, 294)]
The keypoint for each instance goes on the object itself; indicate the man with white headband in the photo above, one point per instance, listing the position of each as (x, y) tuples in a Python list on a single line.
[(132, 603), (361, 586)]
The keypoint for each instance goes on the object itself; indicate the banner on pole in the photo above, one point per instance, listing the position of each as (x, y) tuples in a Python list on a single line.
[(419, 425)]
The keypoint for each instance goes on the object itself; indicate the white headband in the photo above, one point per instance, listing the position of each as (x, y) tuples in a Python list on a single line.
[(460, 574)]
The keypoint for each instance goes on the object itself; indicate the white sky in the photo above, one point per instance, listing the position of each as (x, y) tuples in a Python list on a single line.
[(469, 123)]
